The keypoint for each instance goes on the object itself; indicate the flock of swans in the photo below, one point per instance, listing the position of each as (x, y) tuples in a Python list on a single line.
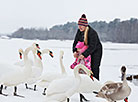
[(59, 87)]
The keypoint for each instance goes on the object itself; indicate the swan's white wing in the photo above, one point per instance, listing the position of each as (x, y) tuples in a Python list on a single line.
[(6, 67), (43, 84), (48, 77), (60, 85), (36, 72), (20, 63), (13, 78), (88, 85)]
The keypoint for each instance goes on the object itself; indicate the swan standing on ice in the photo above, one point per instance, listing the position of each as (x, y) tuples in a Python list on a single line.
[(36, 65), (62, 89), (47, 78), (17, 77), (37, 68), (116, 91)]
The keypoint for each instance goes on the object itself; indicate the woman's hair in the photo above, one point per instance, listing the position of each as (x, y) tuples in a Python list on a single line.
[(86, 35)]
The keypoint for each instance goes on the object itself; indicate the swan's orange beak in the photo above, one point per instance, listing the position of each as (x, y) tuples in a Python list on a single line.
[(51, 54), (91, 76), (20, 55), (37, 45), (39, 54)]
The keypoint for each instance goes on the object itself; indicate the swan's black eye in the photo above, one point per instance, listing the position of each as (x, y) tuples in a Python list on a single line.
[(37, 45), (50, 52)]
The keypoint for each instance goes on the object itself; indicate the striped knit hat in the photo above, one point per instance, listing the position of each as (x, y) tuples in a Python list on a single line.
[(83, 21)]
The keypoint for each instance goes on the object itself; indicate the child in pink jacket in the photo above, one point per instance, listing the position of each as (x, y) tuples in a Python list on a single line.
[(81, 47)]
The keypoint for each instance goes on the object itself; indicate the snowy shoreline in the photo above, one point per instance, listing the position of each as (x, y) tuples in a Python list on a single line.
[(114, 56)]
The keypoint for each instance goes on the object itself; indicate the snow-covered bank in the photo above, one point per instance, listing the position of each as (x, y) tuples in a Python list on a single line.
[(114, 56)]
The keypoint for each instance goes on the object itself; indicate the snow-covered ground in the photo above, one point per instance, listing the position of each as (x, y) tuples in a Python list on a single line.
[(114, 56)]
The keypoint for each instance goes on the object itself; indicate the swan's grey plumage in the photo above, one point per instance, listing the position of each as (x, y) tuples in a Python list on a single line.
[(116, 91)]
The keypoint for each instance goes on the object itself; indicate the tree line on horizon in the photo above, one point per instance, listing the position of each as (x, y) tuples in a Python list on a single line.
[(115, 31)]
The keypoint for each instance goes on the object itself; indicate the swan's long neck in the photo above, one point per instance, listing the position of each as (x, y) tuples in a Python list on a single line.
[(26, 53), (77, 80), (34, 51), (37, 61), (76, 71), (63, 71), (27, 68), (124, 80)]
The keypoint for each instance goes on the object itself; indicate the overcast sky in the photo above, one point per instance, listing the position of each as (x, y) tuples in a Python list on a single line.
[(47, 13)]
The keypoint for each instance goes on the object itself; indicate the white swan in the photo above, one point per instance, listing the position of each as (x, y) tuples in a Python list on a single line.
[(116, 91), (62, 89), (49, 77), (37, 68), (17, 77)]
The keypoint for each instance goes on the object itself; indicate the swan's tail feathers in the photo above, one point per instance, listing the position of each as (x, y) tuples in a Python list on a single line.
[(83, 98), (95, 92)]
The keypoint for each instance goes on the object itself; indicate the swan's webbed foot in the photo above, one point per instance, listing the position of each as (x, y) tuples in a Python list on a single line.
[(34, 87), (67, 99), (1, 87), (26, 86), (126, 99), (44, 93), (5, 87), (83, 98), (30, 87), (15, 93)]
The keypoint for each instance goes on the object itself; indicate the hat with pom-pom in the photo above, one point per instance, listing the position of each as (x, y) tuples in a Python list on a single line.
[(83, 21)]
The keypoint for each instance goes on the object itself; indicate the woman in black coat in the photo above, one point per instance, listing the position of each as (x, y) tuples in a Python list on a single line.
[(90, 37)]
